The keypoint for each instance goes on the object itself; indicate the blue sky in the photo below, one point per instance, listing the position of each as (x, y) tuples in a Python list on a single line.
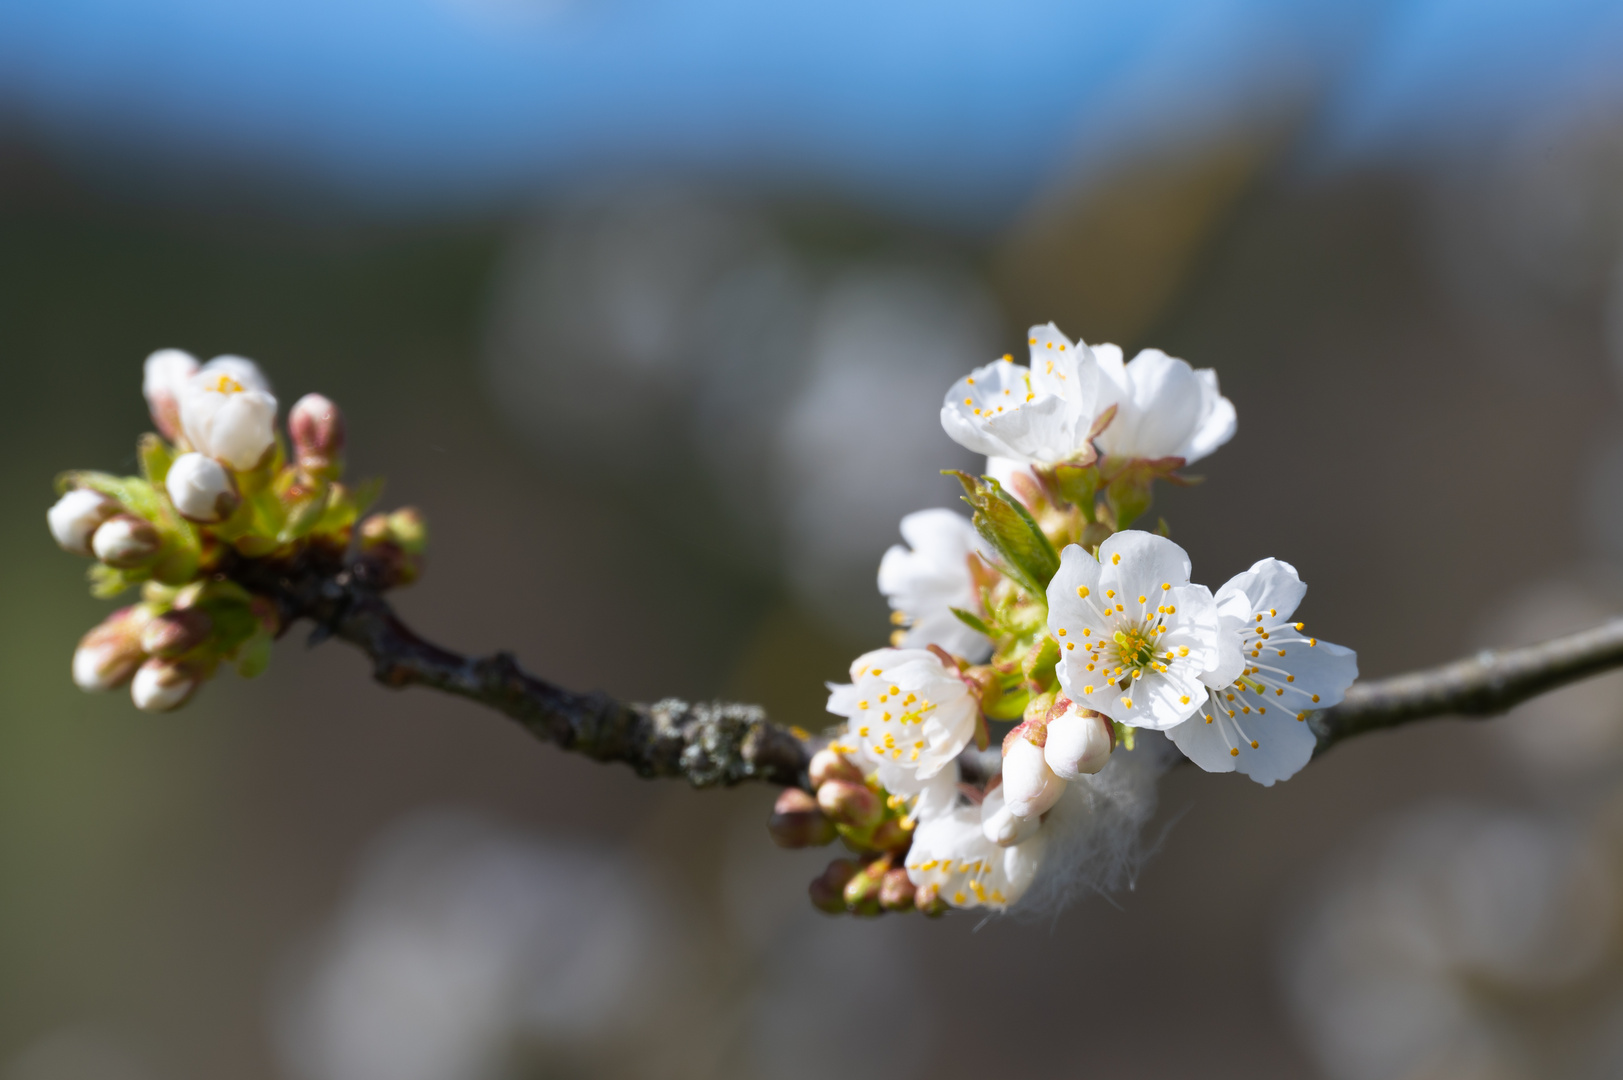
[(957, 109)]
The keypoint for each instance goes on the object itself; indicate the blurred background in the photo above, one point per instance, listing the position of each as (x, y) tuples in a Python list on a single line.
[(649, 305)]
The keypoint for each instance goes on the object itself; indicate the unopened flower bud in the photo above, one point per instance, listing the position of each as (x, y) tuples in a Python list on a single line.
[(161, 685), (829, 765), (927, 899), (850, 804), (109, 654), (316, 427), (77, 515), (392, 547), (1079, 741), (166, 374), (891, 835), (998, 822), (797, 821), (862, 891), (126, 541), (896, 891), (1030, 787), (177, 632), (827, 891), (201, 489)]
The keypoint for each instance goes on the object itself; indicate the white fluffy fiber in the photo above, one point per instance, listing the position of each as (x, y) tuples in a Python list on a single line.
[(1095, 833)]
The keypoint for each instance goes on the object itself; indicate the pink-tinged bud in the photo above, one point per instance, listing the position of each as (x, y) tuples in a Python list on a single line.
[(850, 804), (316, 427), (896, 892), (162, 685), (177, 632), (201, 489), (392, 547), (126, 541), (927, 899), (76, 517), (167, 372), (891, 835), (1030, 787), (797, 821), (109, 654), (1079, 742), (829, 765), (827, 891)]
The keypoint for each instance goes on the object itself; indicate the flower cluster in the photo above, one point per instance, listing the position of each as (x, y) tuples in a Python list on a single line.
[(217, 487), (1047, 619)]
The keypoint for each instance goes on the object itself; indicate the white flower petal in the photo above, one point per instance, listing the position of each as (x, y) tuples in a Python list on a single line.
[(928, 581), (1219, 744)]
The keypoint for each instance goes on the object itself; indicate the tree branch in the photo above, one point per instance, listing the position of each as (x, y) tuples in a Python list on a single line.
[(707, 744), (716, 743), (1489, 683)]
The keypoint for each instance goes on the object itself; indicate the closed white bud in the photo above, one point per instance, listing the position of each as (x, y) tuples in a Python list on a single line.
[(109, 654), (162, 685), (166, 374), (77, 515), (1000, 826), (126, 541), (1079, 742), (228, 412), (1029, 785), (201, 489)]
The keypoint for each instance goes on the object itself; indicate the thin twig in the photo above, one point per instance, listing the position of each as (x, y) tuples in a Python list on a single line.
[(706, 743), (1487, 684), (716, 743)]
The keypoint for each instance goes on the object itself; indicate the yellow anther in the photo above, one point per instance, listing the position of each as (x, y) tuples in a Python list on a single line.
[(1127, 703), (1301, 716), (1088, 689), (1070, 644), (1086, 632), (1315, 699), (1082, 591), (1184, 700), (1183, 650), (1166, 586), (1110, 594), (1062, 631), (1281, 652), (1234, 751), (1116, 558), (1312, 641), (969, 401), (1271, 613), (1299, 626), (1143, 599), (1253, 744), (1290, 678), (895, 690)]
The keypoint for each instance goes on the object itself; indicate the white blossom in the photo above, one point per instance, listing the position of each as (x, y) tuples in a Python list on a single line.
[(200, 488), (1037, 415), (953, 853), (909, 714), (1134, 634), (1164, 407), (1269, 678), (162, 685), (1079, 742), (1029, 785), (925, 583), (164, 379), (76, 516), (228, 412)]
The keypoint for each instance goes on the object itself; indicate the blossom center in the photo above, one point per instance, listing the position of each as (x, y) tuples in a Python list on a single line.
[(226, 385)]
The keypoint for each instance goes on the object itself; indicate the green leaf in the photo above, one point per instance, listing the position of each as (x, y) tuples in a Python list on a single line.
[(107, 582), (971, 620), (1079, 486), (156, 457), (1004, 523)]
